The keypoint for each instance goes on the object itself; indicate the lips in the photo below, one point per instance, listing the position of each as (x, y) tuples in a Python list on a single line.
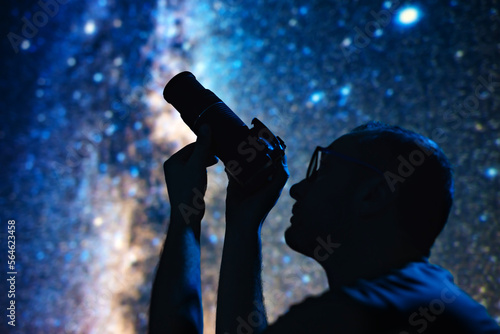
[(294, 219)]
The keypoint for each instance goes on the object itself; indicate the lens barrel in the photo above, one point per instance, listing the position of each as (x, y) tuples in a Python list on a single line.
[(198, 105), (249, 155)]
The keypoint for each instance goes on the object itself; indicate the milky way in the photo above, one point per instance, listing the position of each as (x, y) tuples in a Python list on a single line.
[(86, 130)]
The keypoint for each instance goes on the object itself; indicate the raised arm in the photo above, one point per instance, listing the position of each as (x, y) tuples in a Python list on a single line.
[(176, 295), (240, 307)]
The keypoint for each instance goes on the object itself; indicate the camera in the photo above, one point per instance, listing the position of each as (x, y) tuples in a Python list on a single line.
[(250, 156)]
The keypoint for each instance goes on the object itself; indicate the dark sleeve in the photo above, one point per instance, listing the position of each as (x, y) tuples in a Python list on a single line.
[(322, 315)]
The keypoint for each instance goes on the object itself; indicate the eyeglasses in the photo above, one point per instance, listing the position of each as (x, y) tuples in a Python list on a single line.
[(315, 163)]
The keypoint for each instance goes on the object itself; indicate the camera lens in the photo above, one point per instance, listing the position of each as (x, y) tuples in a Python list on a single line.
[(198, 105)]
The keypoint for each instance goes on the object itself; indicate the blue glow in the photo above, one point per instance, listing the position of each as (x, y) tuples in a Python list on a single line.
[(84, 256), (98, 77), (387, 4), (408, 16), (134, 171), (491, 172), (213, 238), (103, 168), (317, 96), (40, 255), (345, 91)]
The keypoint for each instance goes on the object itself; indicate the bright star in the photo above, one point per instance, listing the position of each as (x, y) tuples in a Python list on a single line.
[(408, 15), (491, 172), (317, 96), (90, 27)]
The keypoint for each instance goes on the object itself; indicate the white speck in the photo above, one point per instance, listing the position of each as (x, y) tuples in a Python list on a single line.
[(306, 279), (408, 15), (98, 221), (346, 42), (317, 96), (71, 61), (118, 61), (25, 45), (89, 27)]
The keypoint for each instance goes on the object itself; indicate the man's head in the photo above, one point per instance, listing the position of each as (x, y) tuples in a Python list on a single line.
[(379, 187)]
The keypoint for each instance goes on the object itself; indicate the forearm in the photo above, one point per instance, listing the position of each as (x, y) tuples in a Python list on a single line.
[(176, 295), (240, 304)]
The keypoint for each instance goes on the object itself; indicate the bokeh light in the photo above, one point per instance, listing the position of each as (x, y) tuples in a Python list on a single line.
[(408, 16)]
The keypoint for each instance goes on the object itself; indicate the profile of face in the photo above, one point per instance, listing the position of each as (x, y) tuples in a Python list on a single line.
[(329, 204)]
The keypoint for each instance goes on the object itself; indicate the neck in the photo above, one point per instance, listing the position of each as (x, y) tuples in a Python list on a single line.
[(349, 266)]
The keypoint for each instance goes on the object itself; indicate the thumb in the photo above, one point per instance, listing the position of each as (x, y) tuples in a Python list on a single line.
[(202, 146)]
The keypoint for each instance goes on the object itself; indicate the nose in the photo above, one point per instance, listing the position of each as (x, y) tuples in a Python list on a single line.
[(297, 191)]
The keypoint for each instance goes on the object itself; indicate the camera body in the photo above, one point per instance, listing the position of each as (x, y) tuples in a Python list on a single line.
[(250, 156)]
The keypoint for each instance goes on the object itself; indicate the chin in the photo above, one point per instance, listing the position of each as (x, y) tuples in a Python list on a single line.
[(295, 240)]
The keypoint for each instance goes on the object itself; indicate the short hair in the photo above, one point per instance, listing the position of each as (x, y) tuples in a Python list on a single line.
[(425, 191)]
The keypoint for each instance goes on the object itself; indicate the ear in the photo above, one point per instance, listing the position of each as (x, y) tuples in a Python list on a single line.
[(374, 197)]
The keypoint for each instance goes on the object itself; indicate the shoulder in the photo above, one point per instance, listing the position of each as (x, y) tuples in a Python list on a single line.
[(419, 297), (331, 311)]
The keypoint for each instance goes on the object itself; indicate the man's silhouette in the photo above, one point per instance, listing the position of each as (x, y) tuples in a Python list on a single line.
[(368, 211)]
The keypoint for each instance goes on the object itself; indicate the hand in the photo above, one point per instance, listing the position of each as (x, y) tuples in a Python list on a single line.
[(243, 209), (186, 177)]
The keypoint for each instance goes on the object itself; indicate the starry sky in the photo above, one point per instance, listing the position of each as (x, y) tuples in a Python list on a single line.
[(85, 131)]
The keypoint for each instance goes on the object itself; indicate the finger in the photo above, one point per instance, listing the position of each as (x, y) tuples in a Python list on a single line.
[(183, 154), (201, 153), (281, 174)]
